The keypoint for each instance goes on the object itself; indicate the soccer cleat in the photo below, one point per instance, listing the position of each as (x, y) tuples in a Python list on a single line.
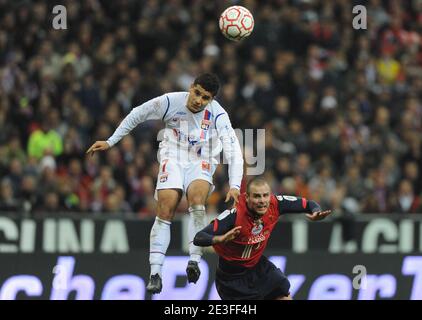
[(155, 284), (193, 272)]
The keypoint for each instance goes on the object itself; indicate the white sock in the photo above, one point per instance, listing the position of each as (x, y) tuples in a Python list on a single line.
[(159, 241), (197, 222)]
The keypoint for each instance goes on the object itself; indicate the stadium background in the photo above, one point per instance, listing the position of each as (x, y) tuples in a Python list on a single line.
[(342, 114)]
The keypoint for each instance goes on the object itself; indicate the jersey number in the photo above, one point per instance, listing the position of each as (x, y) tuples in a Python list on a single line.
[(289, 198)]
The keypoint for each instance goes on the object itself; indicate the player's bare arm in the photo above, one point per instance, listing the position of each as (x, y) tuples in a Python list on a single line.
[(233, 194), (98, 146)]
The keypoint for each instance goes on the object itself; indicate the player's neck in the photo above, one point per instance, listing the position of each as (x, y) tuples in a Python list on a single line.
[(255, 216)]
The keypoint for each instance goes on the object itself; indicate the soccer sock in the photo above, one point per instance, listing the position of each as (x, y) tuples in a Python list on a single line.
[(159, 241), (197, 222)]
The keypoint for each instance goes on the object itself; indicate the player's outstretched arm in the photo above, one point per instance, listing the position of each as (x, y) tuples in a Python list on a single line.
[(291, 204), (318, 215), (98, 146)]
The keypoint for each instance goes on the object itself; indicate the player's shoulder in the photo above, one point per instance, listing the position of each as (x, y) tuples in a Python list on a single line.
[(216, 108), (227, 214), (275, 199), (177, 95)]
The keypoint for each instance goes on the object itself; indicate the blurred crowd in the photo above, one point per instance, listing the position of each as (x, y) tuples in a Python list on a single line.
[(342, 108)]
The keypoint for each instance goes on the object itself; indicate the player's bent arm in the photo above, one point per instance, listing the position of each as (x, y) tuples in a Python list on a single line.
[(231, 150), (153, 109), (215, 231), (291, 204)]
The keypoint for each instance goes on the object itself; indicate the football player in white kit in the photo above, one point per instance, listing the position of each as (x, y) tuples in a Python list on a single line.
[(196, 130)]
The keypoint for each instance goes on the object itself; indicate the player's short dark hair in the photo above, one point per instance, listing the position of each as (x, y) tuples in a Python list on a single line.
[(209, 82), (258, 180)]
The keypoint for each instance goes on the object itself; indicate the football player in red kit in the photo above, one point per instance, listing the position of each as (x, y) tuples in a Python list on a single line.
[(239, 236)]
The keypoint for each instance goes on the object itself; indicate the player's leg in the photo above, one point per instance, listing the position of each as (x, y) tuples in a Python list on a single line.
[(168, 200), (236, 286), (168, 194), (197, 195), (273, 282)]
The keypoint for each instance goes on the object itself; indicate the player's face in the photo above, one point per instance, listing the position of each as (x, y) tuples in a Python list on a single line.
[(198, 98), (258, 199)]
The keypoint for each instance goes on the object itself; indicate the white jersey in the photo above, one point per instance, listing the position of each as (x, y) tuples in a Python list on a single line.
[(188, 136)]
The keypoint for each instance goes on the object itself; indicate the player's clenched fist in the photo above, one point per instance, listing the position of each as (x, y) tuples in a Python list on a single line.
[(98, 146)]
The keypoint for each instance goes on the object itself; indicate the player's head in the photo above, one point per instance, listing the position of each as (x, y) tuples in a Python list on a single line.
[(258, 195), (202, 91)]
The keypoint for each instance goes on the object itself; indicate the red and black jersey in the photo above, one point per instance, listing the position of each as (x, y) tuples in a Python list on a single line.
[(247, 248)]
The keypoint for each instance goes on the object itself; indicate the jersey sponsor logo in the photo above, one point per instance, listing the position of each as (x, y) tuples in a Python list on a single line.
[(256, 239), (192, 140), (181, 113), (164, 177)]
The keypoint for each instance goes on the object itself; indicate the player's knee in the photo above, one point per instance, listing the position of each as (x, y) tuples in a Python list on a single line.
[(197, 200), (197, 210), (165, 211)]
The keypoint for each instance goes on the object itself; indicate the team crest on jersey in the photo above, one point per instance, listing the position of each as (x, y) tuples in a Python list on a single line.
[(205, 124), (164, 177), (206, 166), (257, 229)]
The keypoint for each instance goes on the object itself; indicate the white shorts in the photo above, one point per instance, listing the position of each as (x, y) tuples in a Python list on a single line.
[(176, 175)]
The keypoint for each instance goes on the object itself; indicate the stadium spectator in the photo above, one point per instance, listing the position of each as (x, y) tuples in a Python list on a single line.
[(44, 140)]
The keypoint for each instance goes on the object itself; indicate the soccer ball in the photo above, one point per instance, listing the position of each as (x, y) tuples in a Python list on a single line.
[(236, 23)]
